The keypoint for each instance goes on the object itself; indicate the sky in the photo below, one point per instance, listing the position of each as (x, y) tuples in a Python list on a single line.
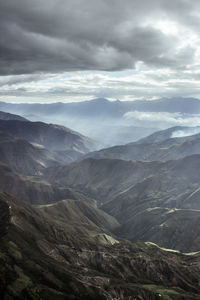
[(75, 50)]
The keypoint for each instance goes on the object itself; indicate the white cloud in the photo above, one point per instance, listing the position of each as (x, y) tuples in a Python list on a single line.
[(144, 83), (188, 132), (162, 119)]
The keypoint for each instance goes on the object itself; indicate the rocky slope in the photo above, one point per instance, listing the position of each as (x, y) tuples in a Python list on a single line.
[(41, 259)]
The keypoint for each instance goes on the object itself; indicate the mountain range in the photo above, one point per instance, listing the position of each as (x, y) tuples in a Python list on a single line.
[(103, 108), (112, 122), (118, 223)]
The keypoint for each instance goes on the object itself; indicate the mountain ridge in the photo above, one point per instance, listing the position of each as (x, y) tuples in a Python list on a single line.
[(160, 146), (181, 104), (8, 116)]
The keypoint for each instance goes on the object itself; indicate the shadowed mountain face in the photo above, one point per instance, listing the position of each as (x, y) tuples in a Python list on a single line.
[(4, 136), (40, 258)]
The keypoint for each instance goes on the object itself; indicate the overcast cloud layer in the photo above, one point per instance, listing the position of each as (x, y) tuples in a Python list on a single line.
[(80, 49)]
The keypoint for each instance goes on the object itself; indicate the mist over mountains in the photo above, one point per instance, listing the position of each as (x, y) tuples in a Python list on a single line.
[(172, 143), (80, 223), (113, 122)]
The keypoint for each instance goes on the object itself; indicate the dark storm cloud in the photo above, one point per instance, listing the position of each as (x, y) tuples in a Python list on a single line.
[(57, 35)]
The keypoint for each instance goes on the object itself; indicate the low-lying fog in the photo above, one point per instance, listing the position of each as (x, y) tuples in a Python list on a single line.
[(118, 122), (131, 127)]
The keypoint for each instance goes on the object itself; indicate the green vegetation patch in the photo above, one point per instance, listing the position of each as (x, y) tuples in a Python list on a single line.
[(2, 256), (164, 293), (14, 251), (20, 283)]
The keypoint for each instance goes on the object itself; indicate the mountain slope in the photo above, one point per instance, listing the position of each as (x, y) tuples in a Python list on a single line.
[(143, 210), (39, 260), (53, 137), (159, 146), (80, 214), (102, 179), (8, 116), (128, 189), (26, 158), (182, 132), (173, 186), (169, 228), (171, 182), (33, 189)]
